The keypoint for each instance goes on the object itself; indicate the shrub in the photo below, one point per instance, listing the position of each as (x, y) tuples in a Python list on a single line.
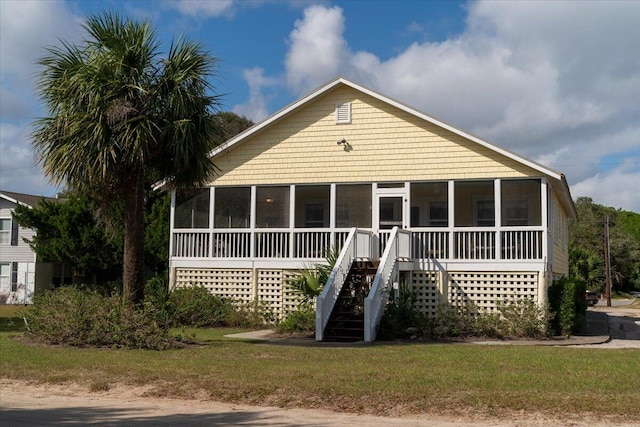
[(567, 305), (194, 306), (84, 318), (254, 314), (301, 320), (401, 315)]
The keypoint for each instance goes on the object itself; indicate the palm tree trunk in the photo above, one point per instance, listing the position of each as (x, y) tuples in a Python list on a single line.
[(133, 259)]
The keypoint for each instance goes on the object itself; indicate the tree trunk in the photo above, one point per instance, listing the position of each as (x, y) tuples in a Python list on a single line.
[(133, 257)]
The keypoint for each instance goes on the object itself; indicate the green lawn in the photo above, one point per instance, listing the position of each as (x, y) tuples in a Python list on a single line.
[(379, 379)]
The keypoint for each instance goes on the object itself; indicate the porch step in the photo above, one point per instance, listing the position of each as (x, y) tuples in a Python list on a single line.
[(346, 322)]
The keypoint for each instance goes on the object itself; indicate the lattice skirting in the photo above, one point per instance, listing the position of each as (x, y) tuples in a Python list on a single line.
[(486, 290), (483, 289), (265, 285)]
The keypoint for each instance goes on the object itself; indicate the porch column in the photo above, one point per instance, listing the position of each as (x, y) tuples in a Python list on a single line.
[(546, 213), (172, 213), (332, 216), (451, 208), (498, 217), (212, 203), (252, 223), (292, 219)]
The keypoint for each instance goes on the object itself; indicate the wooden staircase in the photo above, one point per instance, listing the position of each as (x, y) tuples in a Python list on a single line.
[(346, 322)]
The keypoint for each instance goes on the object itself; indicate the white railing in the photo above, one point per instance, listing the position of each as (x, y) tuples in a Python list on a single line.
[(272, 244), (357, 245), (311, 244), (231, 244), (522, 244), (430, 244), (475, 244), (479, 243), (192, 244), (398, 246)]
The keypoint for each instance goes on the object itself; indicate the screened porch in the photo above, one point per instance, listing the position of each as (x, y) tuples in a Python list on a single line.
[(479, 220)]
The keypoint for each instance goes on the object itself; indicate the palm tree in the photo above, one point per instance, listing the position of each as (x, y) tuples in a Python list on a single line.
[(121, 116)]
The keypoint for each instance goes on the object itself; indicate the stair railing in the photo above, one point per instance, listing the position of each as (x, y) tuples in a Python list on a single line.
[(398, 246), (357, 245)]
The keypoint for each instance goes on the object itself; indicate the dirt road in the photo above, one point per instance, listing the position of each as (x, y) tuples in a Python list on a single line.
[(29, 405)]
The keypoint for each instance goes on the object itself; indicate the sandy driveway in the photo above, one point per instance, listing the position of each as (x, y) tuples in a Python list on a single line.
[(28, 405)]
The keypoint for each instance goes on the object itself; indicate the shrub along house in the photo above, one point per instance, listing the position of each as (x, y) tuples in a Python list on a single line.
[(405, 197)]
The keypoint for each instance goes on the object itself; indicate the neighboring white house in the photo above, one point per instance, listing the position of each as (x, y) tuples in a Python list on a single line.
[(404, 196), (21, 275)]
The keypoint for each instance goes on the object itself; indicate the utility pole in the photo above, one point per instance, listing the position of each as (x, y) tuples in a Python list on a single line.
[(607, 261)]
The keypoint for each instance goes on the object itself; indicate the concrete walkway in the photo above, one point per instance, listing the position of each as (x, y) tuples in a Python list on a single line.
[(596, 332)]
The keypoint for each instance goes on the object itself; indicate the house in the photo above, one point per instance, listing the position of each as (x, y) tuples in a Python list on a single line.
[(405, 197), (21, 274)]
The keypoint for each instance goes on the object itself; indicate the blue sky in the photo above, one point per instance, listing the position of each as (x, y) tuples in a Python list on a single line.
[(557, 82)]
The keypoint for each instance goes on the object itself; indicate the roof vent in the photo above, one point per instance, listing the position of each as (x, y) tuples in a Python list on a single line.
[(343, 113)]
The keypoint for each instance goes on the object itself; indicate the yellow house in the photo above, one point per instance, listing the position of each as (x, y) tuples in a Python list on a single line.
[(403, 196)]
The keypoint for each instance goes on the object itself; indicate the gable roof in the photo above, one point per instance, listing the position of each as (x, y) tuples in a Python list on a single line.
[(558, 179), (24, 199)]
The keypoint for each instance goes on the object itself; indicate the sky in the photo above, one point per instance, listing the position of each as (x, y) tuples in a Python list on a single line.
[(556, 82)]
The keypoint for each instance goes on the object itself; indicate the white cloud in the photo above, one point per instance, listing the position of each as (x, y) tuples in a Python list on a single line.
[(553, 81), (256, 107), (318, 49), (618, 188), (203, 8), (26, 27)]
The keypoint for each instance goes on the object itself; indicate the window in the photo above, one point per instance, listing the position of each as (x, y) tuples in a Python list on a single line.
[(521, 204), (485, 213), (272, 207), (5, 276), (5, 231), (353, 205), (232, 207), (192, 208), (474, 204), (429, 204), (312, 206)]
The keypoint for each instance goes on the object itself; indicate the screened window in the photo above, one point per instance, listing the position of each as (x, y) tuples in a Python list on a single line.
[(5, 231), (353, 205), (192, 208), (272, 207), (474, 204), (232, 207), (429, 204), (312, 206), (521, 203)]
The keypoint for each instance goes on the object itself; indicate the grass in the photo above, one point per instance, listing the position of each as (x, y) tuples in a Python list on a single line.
[(380, 379)]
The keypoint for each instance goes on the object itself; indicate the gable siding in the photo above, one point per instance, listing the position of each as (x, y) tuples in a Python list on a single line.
[(387, 144)]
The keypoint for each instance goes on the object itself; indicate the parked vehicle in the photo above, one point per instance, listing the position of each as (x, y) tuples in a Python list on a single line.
[(591, 297)]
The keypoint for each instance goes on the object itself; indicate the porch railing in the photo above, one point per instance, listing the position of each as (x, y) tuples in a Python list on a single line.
[(358, 244), (458, 243), (398, 246)]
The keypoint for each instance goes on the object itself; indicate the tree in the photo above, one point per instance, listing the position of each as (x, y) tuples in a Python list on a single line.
[(67, 232), (121, 116), (586, 246)]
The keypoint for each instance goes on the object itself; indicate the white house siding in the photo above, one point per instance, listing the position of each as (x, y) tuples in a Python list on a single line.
[(23, 257)]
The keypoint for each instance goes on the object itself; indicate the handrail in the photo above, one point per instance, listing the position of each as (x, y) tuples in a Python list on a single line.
[(357, 245), (398, 246)]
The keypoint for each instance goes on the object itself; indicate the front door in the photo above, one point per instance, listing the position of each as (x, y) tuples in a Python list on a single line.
[(390, 212)]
